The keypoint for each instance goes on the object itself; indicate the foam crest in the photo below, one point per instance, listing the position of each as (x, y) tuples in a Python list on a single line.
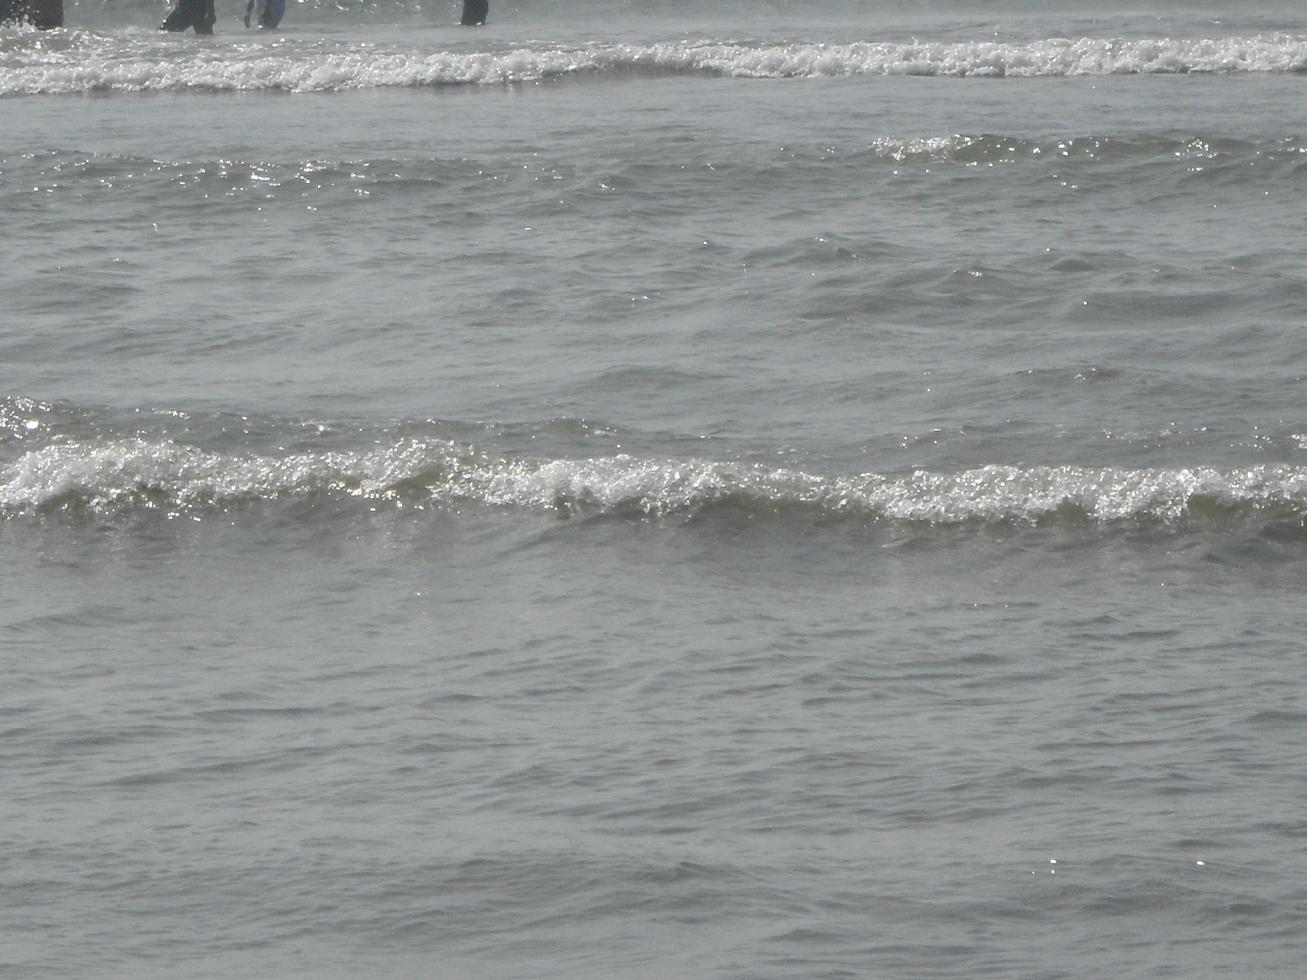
[(21, 417), (1053, 57), (128, 473), (989, 493), (86, 61), (131, 474)]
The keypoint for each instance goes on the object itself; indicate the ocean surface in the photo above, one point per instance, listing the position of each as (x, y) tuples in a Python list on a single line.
[(655, 490)]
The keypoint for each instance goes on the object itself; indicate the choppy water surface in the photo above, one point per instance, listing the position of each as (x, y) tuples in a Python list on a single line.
[(654, 492)]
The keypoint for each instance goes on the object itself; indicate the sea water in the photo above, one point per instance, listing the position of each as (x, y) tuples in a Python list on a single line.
[(654, 490)]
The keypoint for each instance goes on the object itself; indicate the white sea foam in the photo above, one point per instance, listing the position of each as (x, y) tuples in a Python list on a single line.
[(87, 61), (131, 472), (139, 473), (989, 493)]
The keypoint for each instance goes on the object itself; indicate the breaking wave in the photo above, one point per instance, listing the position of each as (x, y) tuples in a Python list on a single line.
[(138, 474), (80, 61)]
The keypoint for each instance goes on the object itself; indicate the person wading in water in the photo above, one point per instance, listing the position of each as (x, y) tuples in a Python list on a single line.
[(475, 12), (191, 13)]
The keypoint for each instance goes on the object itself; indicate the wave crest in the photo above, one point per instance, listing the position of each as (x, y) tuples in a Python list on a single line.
[(138, 474), (85, 61)]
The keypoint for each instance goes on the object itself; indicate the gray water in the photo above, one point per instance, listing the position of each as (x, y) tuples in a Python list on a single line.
[(771, 491)]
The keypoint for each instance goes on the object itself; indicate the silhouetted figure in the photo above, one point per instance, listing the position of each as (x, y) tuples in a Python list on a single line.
[(191, 13), (44, 15), (475, 12), (264, 14)]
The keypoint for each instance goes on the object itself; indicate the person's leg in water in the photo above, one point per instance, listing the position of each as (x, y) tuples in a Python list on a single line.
[(264, 14), (475, 12), (198, 14)]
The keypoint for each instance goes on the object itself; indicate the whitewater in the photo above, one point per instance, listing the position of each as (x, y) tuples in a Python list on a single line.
[(755, 489), (89, 61)]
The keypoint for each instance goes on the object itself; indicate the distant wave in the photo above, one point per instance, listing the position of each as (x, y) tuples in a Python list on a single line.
[(137, 474), (68, 171), (81, 61)]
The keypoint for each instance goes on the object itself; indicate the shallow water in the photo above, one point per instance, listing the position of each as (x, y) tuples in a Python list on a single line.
[(680, 494)]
